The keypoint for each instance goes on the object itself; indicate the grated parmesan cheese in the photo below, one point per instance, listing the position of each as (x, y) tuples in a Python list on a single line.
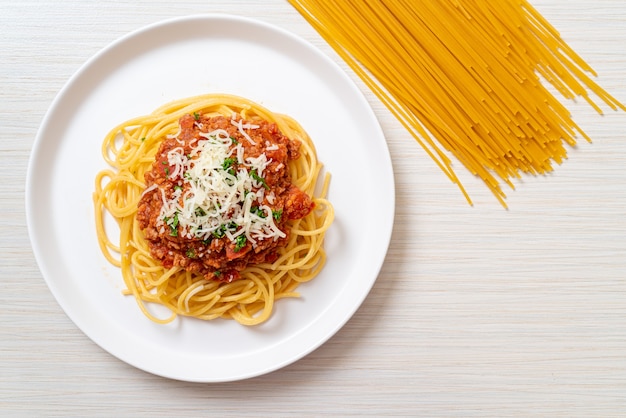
[(213, 199), (241, 126)]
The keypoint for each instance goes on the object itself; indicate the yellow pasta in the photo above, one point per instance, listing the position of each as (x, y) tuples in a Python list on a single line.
[(464, 77), (130, 150)]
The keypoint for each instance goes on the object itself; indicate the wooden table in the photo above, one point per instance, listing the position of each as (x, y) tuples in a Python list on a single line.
[(478, 311)]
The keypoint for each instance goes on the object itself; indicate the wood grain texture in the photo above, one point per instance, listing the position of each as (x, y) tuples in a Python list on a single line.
[(478, 311)]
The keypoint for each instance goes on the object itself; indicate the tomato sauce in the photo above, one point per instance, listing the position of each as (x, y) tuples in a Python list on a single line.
[(218, 257)]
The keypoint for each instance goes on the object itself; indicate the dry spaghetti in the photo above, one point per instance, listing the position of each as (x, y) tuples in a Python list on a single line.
[(465, 76)]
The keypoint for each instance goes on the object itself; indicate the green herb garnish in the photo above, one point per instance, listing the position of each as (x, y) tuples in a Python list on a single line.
[(256, 210), (219, 232), (240, 242), (228, 165), (258, 178), (173, 224), (228, 162)]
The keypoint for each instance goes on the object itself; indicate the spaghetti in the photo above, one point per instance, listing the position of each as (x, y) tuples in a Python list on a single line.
[(142, 185), (464, 76)]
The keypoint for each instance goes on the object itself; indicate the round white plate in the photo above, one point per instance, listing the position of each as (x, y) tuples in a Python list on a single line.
[(176, 59)]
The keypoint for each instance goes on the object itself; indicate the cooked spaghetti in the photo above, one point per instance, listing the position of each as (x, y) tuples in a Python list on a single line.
[(218, 206), (464, 76)]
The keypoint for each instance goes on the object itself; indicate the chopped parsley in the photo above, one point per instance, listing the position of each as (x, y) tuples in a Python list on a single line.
[(258, 178), (173, 224), (219, 232), (196, 116), (228, 164), (258, 212), (240, 242), (277, 214), (191, 253)]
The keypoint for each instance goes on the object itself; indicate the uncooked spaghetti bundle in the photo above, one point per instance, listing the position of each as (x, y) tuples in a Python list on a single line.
[(466, 78)]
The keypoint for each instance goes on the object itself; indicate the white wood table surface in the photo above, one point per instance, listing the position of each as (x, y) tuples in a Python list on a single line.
[(478, 311)]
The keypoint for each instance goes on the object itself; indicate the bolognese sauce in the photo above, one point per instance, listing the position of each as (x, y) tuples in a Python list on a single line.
[(219, 196)]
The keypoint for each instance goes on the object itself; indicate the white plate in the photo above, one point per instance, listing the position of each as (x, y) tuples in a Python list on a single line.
[(175, 59)]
